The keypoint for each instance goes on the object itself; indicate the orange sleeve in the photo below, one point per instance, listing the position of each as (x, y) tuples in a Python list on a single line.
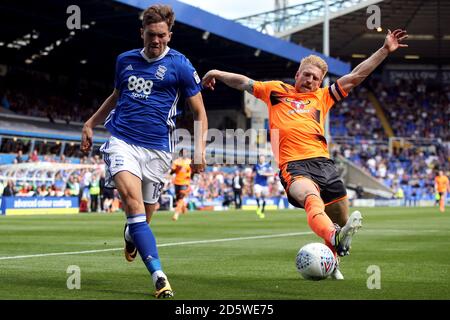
[(332, 94), (262, 89)]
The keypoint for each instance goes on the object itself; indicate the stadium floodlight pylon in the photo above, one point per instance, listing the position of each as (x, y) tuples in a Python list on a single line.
[(283, 22), (41, 172)]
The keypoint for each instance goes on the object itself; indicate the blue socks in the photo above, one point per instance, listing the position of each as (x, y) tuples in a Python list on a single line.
[(145, 241)]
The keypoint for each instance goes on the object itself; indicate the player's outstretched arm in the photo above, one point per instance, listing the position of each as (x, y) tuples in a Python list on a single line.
[(96, 119), (233, 80), (198, 109), (392, 42)]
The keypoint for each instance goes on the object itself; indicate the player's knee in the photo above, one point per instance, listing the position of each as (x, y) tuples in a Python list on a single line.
[(301, 192), (132, 204)]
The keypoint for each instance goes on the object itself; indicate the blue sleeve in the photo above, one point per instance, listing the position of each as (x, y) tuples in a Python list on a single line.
[(189, 79), (117, 74)]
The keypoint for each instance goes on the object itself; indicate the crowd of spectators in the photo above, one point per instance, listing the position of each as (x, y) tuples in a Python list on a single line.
[(414, 109), (356, 117), (53, 98), (215, 184), (411, 169)]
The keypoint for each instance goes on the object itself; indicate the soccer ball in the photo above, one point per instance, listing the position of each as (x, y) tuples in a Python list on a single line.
[(315, 261)]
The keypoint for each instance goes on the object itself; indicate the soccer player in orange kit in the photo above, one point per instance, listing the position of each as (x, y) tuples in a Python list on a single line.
[(441, 186), (181, 167), (298, 113)]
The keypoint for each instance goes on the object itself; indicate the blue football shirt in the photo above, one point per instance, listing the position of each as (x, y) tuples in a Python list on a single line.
[(260, 170), (149, 92)]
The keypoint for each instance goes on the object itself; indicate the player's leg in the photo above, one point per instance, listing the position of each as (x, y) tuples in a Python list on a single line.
[(334, 195), (442, 200), (338, 211), (306, 193), (258, 191), (239, 199), (186, 191), (151, 191), (264, 194), (257, 198), (179, 202), (130, 190), (118, 157), (150, 208)]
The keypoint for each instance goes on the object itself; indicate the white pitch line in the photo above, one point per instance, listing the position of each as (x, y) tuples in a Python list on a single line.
[(161, 245)]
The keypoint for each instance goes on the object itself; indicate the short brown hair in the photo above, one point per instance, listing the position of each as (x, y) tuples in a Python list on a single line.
[(158, 13), (315, 61)]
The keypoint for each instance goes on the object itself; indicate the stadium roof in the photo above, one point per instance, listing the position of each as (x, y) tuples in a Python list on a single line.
[(112, 27), (425, 20), (235, 32), (36, 32)]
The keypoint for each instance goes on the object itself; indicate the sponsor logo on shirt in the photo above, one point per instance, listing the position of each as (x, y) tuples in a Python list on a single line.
[(141, 88), (299, 106)]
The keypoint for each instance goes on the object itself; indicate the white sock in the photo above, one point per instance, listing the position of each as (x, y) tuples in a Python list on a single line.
[(157, 274), (128, 235)]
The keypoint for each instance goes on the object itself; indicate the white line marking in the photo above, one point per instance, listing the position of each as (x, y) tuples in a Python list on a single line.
[(161, 245)]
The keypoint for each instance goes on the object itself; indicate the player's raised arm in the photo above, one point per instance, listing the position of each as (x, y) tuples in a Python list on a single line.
[(233, 80), (364, 69), (96, 119), (198, 109)]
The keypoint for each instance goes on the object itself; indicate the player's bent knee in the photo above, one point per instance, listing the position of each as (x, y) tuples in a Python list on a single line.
[(303, 188), (133, 205)]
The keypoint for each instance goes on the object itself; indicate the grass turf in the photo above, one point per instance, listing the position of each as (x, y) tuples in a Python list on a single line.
[(409, 245)]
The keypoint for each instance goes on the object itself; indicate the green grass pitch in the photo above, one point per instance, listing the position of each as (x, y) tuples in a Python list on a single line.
[(223, 256)]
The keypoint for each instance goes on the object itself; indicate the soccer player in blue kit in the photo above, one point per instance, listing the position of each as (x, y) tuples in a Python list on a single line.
[(140, 115), (262, 171)]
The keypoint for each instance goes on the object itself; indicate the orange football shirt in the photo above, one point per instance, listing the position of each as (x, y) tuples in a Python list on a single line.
[(297, 120), (441, 182), (182, 168)]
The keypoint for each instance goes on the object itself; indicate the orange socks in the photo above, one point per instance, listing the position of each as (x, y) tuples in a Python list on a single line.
[(180, 205), (318, 220)]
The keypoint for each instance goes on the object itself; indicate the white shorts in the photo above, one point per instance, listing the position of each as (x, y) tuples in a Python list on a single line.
[(262, 190), (149, 165)]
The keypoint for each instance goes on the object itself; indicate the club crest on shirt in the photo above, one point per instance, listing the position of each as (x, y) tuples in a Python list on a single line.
[(161, 72)]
